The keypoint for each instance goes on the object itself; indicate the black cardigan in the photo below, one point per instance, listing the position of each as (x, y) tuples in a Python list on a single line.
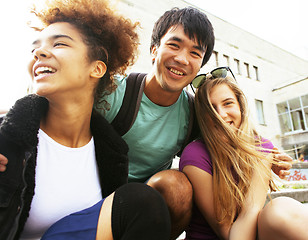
[(18, 142)]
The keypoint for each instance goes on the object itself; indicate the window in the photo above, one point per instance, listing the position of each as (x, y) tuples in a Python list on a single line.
[(306, 116), (298, 120), (285, 123), (294, 104), (226, 60), (247, 70), (213, 61), (305, 110), (282, 107), (293, 114), (296, 114), (237, 66), (299, 152), (256, 73), (215, 54), (303, 151), (305, 100), (260, 112)]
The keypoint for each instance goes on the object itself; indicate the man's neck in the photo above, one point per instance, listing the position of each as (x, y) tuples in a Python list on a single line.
[(157, 94)]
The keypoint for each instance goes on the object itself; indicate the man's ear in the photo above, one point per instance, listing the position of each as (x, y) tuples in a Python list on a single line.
[(99, 69), (153, 53)]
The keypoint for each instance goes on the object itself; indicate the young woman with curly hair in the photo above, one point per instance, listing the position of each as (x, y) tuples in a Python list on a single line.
[(67, 168)]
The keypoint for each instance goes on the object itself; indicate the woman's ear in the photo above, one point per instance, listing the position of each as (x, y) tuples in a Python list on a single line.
[(99, 69)]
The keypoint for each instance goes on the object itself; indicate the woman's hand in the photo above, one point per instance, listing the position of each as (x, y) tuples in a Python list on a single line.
[(283, 165), (3, 163)]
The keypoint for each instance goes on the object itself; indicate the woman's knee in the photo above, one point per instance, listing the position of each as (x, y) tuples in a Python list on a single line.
[(282, 213), (274, 213)]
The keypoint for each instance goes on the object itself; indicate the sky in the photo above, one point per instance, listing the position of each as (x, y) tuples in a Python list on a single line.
[(14, 51), (281, 22)]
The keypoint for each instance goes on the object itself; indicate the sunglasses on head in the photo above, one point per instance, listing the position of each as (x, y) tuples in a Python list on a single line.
[(220, 72)]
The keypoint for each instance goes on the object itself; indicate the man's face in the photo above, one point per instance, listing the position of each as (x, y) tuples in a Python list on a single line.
[(177, 60)]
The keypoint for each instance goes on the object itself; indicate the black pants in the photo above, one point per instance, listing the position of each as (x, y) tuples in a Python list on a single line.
[(139, 213)]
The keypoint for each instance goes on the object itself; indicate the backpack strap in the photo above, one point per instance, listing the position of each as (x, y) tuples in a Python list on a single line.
[(131, 102)]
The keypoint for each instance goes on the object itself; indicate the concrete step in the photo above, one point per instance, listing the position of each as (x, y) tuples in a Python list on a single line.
[(297, 190), (300, 195)]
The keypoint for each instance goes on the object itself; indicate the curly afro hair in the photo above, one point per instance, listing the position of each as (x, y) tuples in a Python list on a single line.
[(110, 37)]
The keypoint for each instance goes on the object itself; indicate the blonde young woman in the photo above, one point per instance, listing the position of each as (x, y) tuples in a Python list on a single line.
[(229, 168)]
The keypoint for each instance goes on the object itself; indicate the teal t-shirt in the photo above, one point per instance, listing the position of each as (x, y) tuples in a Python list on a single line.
[(156, 135)]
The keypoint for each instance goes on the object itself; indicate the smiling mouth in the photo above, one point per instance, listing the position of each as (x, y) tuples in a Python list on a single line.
[(176, 72), (44, 71)]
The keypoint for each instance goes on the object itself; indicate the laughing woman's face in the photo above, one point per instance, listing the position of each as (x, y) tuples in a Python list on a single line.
[(60, 65), (226, 105)]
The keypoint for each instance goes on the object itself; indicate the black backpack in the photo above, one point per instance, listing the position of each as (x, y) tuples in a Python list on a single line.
[(131, 103)]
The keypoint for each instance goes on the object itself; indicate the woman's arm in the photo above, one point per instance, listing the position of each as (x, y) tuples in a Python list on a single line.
[(245, 226), (202, 183)]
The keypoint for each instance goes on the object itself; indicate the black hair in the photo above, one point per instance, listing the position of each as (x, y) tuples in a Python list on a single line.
[(195, 24)]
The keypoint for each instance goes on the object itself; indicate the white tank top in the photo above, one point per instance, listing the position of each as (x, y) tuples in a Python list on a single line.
[(66, 182)]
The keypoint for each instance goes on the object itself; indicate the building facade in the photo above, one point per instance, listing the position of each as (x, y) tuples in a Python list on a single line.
[(274, 80), (292, 108)]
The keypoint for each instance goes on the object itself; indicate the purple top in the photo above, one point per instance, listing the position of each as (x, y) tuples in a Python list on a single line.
[(196, 154)]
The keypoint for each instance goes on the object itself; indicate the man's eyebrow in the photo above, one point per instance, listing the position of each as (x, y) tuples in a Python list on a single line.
[(53, 38), (177, 39)]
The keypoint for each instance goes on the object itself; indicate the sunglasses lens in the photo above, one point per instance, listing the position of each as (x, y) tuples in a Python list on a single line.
[(198, 80), (216, 73), (220, 73)]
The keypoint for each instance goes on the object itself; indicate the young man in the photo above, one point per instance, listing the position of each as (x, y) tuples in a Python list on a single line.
[(182, 42)]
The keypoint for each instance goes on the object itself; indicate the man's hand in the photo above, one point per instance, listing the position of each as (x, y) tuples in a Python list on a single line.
[(3, 162), (283, 164)]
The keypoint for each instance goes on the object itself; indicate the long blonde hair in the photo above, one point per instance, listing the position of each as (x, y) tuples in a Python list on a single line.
[(235, 155)]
